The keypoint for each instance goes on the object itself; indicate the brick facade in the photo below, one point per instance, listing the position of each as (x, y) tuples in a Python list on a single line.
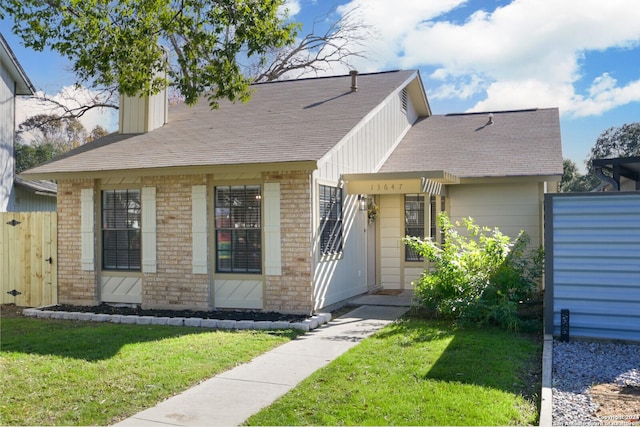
[(75, 286), (293, 290), (174, 286)]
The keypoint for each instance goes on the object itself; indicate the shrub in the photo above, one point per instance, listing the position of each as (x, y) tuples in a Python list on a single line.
[(480, 277)]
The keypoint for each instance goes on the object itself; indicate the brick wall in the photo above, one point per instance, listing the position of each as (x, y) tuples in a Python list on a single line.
[(292, 292), (174, 286), (75, 286)]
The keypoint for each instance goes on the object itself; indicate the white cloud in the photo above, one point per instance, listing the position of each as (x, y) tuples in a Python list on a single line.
[(71, 97), (292, 8), (526, 53), (604, 95)]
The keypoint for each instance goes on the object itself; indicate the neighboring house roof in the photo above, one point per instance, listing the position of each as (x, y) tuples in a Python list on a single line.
[(518, 143), (285, 121), (10, 62), (44, 188)]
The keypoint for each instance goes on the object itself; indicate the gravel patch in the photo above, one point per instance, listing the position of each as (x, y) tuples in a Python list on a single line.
[(580, 365)]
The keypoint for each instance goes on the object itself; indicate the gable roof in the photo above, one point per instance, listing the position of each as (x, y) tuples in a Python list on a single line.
[(10, 62), (285, 121), (518, 143)]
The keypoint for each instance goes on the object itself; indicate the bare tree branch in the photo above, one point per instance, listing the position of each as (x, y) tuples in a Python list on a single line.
[(314, 53), (69, 107)]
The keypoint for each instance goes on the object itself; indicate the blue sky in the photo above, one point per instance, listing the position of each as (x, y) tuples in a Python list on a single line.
[(582, 56)]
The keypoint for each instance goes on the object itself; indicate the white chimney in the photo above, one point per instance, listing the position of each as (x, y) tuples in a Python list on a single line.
[(142, 114)]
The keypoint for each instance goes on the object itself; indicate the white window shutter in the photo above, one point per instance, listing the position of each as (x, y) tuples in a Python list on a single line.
[(149, 236), (87, 227), (272, 245), (199, 228)]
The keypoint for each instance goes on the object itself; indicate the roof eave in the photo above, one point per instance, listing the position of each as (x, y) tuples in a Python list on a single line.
[(304, 165), (510, 179), (23, 84), (34, 188)]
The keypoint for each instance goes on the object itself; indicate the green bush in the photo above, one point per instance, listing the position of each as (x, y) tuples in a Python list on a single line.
[(480, 277)]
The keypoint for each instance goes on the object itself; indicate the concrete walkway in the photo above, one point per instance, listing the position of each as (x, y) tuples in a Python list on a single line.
[(233, 396)]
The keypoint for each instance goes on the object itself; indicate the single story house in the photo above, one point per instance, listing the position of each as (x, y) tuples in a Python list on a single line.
[(292, 202)]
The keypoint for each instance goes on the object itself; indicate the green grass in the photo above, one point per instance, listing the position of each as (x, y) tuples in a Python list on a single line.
[(419, 372), (75, 373)]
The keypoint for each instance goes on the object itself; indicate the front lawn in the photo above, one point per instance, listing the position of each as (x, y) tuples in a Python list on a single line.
[(74, 373), (421, 372)]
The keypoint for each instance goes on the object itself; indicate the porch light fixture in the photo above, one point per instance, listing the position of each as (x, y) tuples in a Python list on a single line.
[(362, 202)]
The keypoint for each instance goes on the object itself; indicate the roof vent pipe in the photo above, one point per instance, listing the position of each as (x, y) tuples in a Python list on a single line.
[(354, 80)]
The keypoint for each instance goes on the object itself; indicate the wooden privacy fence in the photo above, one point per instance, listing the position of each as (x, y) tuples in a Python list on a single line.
[(28, 258)]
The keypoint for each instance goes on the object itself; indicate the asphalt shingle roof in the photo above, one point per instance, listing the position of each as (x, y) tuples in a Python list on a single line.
[(518, 143), (288, 121)]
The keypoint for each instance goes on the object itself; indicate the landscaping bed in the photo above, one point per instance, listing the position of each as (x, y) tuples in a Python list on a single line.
[(256, 316)]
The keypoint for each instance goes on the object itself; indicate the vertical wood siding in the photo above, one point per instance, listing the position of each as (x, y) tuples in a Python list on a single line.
[(25, 250), (369, 144), (593, 264), (390, 235)]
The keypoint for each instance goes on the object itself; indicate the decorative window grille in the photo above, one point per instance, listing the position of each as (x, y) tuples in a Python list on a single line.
[(330, 220)]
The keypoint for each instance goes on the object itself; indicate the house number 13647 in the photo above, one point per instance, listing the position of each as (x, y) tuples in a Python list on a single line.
[(386, 187)]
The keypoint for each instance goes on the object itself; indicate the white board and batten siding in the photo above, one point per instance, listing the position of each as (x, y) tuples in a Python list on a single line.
[(390, 236), (367, 146), (593, 264), (363, 150)]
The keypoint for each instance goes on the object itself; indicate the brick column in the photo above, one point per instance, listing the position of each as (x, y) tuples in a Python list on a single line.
[(75, 286), (292, 292)]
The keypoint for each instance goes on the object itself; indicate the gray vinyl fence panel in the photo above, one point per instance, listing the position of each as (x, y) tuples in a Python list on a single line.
[(592, 243)]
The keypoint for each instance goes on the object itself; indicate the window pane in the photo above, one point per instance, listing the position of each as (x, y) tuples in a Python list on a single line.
[(414, 222), (121, 230), (238, 222)]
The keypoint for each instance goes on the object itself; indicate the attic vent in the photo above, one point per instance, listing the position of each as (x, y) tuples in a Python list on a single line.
[(405, 99)]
